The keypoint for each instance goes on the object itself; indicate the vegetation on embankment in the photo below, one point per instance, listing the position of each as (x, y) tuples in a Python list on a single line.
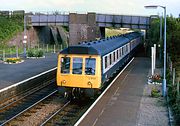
[(173, 49), (112, 31), (9, 27)]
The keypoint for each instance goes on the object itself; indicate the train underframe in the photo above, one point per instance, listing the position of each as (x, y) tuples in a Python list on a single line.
[(74, 92)]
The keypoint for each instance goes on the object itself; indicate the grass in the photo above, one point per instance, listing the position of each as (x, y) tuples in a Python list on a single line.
[(9, 27), (10, 50), (112, 32)]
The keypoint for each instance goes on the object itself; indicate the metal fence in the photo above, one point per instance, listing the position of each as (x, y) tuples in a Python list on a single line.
[(10, 52)]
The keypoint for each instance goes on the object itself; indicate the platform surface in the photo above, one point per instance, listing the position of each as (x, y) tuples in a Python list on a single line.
[(120, 104), (14, 73)]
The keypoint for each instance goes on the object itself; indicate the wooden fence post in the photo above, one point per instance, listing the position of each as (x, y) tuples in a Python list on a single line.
[(47, 48), (10, 53), (171, 67), (4, 55), (174, 75), (17, 52), (38, 46), (43, 48), (61, 47), (54, 48), (178, 88)]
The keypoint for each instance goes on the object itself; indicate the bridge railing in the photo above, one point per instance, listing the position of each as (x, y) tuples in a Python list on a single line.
[(124, 21), (49, 19), (102, 20)]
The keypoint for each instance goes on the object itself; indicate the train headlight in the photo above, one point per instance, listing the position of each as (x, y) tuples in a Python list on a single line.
[(63, 81), (89, 83)]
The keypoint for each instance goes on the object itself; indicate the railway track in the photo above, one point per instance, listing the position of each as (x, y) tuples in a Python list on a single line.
[(68, 114), (9, 111)]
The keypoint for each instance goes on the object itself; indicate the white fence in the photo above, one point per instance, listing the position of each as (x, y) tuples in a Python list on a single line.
[(19, 52)]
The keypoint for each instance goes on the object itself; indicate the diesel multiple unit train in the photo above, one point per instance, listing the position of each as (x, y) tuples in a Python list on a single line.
[(84, 68)]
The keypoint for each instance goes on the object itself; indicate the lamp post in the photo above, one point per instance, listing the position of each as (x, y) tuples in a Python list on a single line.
[(160, 39), (25, 36), (164, 77)]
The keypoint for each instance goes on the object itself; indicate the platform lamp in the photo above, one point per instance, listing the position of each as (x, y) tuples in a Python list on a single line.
[(164, 78)]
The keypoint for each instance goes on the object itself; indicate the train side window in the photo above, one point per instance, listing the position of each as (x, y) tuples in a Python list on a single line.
[(77, 65), (65, 65), (114, 56), (117, 54), (90, 67), (126, 48), (105, 61), (122, 51), (110, 59)]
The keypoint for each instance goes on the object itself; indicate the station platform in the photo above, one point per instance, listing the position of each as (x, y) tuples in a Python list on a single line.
[(119, 106), (14, 73)]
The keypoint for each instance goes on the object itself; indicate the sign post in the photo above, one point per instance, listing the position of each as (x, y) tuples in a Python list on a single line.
[(24, 42)]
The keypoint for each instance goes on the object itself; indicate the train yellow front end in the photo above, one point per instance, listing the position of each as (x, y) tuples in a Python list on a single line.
[(79, 71)]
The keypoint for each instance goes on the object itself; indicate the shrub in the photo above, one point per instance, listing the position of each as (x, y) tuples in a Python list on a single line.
[(155, 92), (30, 53), (9, 27), (35, 53), (39, 53)]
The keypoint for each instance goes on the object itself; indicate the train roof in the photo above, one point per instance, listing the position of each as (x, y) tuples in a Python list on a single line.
[(101, 47)]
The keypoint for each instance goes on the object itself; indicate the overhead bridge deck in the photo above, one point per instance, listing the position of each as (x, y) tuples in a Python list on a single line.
[(101, 20)]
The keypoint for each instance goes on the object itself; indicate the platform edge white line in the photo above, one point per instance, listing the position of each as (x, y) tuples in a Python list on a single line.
[(91, 107), (16, 84)]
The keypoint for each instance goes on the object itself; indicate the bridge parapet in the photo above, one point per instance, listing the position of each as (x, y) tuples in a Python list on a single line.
[(102, 20), (123, 21), (49, 20)]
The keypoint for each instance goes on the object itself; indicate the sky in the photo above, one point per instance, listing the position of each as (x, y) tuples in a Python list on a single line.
[(130, 7)]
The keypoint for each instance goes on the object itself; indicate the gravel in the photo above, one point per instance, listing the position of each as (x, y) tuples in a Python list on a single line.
[(36, 115), (153, 111)]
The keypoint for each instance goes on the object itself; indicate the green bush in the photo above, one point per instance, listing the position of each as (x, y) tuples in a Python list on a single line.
[(30, 53), (35, 53), (39, 53), (155, 93), (9, 27)]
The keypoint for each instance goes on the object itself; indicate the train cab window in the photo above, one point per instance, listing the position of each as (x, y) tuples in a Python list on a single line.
[(77, 65), (90, 66), (65, 65)]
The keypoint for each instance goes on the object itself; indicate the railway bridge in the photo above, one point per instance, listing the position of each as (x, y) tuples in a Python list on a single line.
[(84, 27)]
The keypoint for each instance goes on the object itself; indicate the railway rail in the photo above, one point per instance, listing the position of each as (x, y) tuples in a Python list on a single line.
[(9, 111), (68, 114)]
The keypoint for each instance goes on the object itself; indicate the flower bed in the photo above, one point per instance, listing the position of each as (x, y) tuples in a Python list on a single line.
[(13, 60)]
